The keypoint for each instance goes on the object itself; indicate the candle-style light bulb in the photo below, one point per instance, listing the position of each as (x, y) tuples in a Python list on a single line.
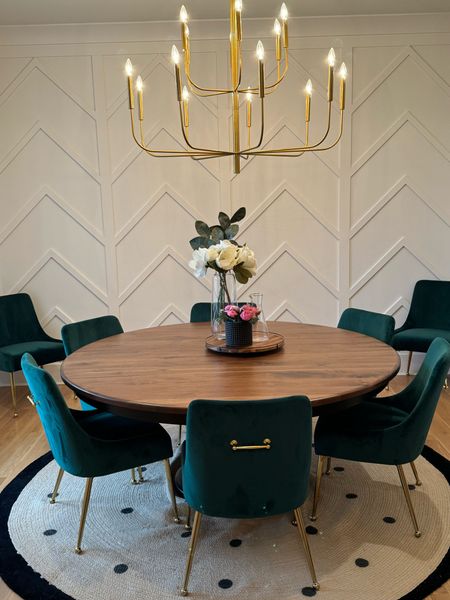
[(343, 71), (238, 5), (248, 96), (331, 57), (139, 84), (183, 14), (129, 68), (309, 88), (175, 55), (284, 12), (260, 51), (277, 27)]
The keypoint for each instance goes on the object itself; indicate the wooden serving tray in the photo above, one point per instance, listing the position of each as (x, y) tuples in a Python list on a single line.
[(274, 343)]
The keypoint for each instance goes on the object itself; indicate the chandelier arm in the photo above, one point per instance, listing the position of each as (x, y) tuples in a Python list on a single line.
[(269, 89), (210, 91), (261, 136), (163, 153), (183, 130), (300, 151)]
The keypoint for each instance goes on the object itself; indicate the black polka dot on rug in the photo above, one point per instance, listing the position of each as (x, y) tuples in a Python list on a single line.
[(49, 532), (338, 469), (50, 495), (389, 519), (411, 486), (121, 568), (351, 496), (127, 510), (309, 591), (311, 530), (186, 534), (225, 584), (361, 562), (143, 469), (235, 543)]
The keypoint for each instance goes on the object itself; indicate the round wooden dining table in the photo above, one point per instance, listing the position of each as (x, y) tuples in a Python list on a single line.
[(153, 374)]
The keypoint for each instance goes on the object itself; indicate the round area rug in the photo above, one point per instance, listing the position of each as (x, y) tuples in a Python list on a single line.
[(363, 543)]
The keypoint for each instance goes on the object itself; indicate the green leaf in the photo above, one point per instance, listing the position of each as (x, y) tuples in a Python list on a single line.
[(200, 242), (217, 233), (240, 276), (238, 215), (202, 228), (224, 220), (232, 231)]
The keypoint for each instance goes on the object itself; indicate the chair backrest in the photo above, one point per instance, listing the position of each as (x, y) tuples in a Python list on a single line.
[(77, 335), (430, 306), (376, 325), (69, 444), (18, 320), (201, 312), (223, 482), (420, 399)]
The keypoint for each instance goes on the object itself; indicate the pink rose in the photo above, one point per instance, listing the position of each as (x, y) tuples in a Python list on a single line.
[(231, 311), (247, 315)]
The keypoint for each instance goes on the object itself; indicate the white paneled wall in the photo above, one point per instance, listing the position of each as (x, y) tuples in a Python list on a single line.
[(89, 225)]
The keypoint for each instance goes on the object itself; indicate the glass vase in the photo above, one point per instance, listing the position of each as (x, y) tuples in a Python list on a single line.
[(223, 293), (260, 328)]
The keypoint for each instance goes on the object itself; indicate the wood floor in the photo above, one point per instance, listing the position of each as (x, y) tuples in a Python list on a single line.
[(22, 440)]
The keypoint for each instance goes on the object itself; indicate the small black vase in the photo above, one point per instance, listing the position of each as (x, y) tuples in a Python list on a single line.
[(238, 333)]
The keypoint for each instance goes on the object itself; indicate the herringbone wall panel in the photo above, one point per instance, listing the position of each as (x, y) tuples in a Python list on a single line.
[(90, 225)]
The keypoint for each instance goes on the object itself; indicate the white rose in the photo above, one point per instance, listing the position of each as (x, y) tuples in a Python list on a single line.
[(227, 258), (246, 257), (199, 262), (213, 252)]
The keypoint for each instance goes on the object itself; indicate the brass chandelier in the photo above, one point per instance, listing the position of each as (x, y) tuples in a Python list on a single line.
[(236, 91)]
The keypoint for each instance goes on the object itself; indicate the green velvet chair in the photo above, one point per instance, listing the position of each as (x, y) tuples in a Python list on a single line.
[(201, 312), (428, 318), (92, 443), (391, 431), (20, 331), (245, 460), (376, 325), (77, 335)]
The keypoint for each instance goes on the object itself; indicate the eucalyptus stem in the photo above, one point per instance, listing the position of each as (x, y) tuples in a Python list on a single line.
[(223, 283)]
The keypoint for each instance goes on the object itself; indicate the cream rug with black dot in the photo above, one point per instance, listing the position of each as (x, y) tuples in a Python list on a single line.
[(363, 542)]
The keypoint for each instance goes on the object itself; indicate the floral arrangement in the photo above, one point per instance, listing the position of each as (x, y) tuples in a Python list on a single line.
[(247, 312), (216, 248)]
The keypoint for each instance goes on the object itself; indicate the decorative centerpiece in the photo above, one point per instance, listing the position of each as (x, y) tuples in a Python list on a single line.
[(215, 248), (238, 324)]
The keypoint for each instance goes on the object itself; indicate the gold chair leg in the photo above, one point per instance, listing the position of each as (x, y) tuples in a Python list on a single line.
[(416, 474), (304, 538), (171, 490), (180, 429), (328, 469), (56, 488), (13, 393), (191, 551), (401, 474), (141, 476), (409, 363), (84, 510), (188, 519), (134, 481), (313, 516)]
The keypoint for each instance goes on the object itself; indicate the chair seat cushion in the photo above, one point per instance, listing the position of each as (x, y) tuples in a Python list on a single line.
[(359, 433), (131, 442), (43, 351), (418, 340)]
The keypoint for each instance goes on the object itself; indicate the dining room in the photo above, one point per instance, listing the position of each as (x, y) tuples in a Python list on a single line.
[(224, 299)]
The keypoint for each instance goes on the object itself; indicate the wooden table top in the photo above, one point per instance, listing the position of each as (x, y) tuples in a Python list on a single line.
[(155, 373)]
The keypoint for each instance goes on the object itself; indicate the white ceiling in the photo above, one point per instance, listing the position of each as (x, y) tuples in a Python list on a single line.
[(40, 12)]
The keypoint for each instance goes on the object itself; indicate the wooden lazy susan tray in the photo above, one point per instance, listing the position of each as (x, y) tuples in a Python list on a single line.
[(274, 343)]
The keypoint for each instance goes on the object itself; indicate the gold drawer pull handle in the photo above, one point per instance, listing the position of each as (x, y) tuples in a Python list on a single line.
[(265, 446)]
